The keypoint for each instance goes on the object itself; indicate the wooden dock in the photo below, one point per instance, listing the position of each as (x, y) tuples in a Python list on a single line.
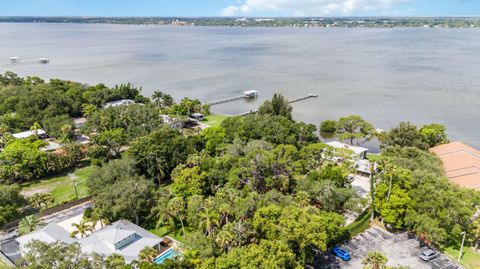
[(246, 95), (225, 100), (13, 64), (255, 111), (303, 98)]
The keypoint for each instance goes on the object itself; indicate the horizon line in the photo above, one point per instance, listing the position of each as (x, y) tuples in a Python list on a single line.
[(235, 17)]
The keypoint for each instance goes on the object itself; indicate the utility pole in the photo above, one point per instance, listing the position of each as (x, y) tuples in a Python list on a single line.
[(372, 190), (74, 180), (461, 246), (372, 194)]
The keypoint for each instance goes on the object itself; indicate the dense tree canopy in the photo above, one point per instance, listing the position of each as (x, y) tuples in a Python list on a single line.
[(24, 101), (259, 191), (23, 160), (273, 129), (279, 106), (158, 153), (11, 202), (408, 135), (187, 107), (119, 193), (135, 120), (420, 198), (353, 128)]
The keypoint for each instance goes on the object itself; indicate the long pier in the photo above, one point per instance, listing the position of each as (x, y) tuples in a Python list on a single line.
[(225, 100), (255, 111), (17, 63), (245, 95), (303, 98)]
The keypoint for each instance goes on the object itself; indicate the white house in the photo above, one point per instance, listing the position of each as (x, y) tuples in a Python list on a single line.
[(121, 237), (119, 103), (363, 166), (40, 132), (360, 152)]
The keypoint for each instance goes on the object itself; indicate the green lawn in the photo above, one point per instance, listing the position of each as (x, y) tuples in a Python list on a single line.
[(470, 259), (177, 234), (61, 186), (214, 120)]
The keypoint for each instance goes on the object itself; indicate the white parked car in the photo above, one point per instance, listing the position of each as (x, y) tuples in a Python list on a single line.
[(429, 254)]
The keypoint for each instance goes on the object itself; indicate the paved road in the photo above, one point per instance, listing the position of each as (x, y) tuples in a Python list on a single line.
[(10, 247)]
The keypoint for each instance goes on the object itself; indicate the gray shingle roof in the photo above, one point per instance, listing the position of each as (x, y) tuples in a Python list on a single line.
[(102, 241)]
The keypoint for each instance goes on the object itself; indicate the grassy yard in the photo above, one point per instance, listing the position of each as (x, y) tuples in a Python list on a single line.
[(214, 120), (61, 186), (177, 234), (470, 259)]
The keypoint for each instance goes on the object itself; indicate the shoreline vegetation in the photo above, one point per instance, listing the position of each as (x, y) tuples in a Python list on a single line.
[(307, 22), (254, 191)]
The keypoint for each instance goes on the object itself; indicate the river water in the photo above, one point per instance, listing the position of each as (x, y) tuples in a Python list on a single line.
[(384, 75)]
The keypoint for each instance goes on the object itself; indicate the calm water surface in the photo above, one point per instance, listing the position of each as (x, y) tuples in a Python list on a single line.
[(385, 75)]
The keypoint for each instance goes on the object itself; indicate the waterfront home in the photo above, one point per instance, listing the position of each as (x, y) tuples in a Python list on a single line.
[(52, 146), (121, 237), (461, 164), (359, 156), (122, 102), (79, 122), (23, 135), (360, 153)]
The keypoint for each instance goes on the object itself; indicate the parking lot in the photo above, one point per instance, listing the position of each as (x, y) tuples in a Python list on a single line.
[(400, 249)]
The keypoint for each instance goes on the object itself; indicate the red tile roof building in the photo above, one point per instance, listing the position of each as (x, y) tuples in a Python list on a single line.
[(461, 163)]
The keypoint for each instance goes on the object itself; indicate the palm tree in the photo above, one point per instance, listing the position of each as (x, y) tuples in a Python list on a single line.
[(34, 128), (3, 129), (29, 224), (476, 232), (66, 132), (375, 260), (209, 219), (157, 97), (176, 207), (224, 239), (148, 254), (95, 218), (42, 199), (165, 218), (114, 261), (242, 233), (225, 211), (193, 257), (82, 228)]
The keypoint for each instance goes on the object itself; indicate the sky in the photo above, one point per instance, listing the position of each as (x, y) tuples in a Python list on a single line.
[(239, 8)]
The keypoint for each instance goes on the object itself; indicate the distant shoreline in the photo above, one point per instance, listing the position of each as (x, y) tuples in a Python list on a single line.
[(294, 22)]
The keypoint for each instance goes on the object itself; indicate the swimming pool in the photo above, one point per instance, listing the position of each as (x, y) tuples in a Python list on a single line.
[(171, 253)]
